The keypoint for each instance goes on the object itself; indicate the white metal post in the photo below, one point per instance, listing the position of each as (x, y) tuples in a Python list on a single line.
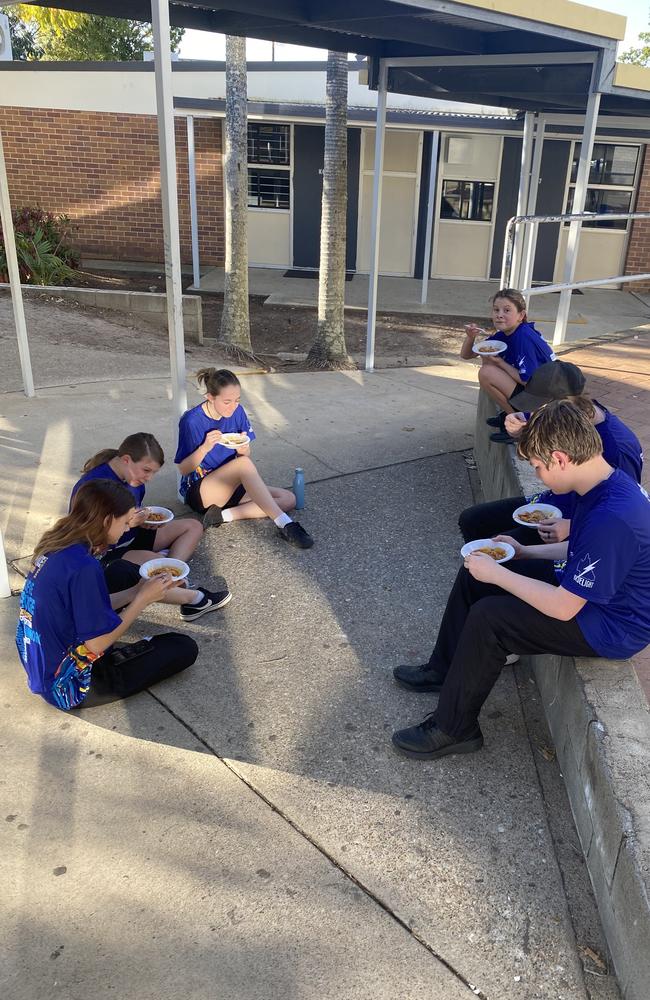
[(530, 236), (169, 197), (431, 204), (194, 215), (14, 276), (579, 198), (5, 589), (522, 196), (380, 130)]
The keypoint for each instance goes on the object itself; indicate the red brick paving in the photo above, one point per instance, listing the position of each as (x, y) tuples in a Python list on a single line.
[(618, 374)]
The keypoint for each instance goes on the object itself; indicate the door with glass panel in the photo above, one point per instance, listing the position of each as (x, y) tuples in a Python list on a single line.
[(611, 187), (466, 205), (269, 194)]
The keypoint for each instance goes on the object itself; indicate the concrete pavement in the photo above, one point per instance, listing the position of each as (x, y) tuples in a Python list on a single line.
[(245, 830)]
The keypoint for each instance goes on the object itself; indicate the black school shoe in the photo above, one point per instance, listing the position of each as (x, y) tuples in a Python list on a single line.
[(211, 602), (427, 742), (212, 517), (295, 534), (422, 678), (498, 421), (502, 437)]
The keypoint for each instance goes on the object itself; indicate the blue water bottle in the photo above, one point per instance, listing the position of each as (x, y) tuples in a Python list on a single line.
[(299, 489)]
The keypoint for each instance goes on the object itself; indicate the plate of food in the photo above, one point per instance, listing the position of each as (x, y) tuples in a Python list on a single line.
[(486, 348), (531, 514), (499, 551), (157, 567), (158, 515), (234, 440)]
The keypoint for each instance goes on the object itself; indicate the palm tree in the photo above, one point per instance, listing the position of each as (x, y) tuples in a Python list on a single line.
[(328, 350), (235, 334)]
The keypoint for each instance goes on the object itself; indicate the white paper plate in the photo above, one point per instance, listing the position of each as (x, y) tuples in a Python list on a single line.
[(489, 343), (548, 508), (481, 543), (232, 447), (169, 516), (166, 563)]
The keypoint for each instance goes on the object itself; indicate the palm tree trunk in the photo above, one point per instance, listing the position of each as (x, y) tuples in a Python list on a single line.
[(328, 349), (235, 333)]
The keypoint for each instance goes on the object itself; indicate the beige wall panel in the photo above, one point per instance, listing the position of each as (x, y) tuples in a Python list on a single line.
[(400, 151), (462, 250), (397, 225), (471, 157), (269, 238), (601, 254)]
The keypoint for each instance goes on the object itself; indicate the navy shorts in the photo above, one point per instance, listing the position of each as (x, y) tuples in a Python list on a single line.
[(193, 497), (143, 539)]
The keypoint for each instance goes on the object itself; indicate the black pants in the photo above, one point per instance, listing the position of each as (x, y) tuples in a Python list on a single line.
[(128, 669), (485, 520), (480, 626)]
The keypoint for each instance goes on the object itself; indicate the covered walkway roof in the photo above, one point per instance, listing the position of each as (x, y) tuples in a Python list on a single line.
[(524, 54)]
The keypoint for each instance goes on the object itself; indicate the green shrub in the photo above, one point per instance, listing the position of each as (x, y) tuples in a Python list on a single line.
[(45, 255)]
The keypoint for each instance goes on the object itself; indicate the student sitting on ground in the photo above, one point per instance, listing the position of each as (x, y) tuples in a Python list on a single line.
[(503, 376), (134, 463), (220, 482), (67, 624), (621, 449), (601, 606)]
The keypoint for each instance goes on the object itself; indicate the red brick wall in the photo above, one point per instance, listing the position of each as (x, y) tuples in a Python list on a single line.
[(103, 171), (638, 252)]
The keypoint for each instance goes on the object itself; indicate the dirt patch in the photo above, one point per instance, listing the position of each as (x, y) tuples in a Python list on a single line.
[(282, 335)]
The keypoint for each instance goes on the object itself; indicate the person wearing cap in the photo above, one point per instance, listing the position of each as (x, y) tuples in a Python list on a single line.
[(621, 449), (599, 607)]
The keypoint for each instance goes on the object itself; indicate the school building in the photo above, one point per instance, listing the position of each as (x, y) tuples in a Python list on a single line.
[(81, 139)]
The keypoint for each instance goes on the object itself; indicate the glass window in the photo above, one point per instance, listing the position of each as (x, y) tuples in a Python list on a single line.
[(610, 164), (268, 143), (470, 200), (601, 200), (268, 189)]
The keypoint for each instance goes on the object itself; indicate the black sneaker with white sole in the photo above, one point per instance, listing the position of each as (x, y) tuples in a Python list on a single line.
[(295, 534), (212, 517), (210, 602)]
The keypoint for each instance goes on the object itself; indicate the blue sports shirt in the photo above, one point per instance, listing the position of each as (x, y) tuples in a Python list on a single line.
[(192, 430), (526, 349), (105, 472), (64, 603), (608, 563)]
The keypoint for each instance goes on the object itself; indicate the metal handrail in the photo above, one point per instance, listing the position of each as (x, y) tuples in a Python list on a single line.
[(566, 217)]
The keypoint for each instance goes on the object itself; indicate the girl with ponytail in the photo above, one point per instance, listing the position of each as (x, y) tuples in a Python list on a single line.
[(134, 463), (67, 625), (220, 481)]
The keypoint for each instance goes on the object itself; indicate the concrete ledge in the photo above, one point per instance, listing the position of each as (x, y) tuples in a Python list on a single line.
[(150, 304), (600, 722)]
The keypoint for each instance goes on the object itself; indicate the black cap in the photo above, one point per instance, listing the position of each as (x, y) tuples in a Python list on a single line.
[(554, 380)]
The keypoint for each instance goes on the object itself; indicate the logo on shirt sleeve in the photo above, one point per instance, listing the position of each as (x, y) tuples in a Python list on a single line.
[(585, 576)]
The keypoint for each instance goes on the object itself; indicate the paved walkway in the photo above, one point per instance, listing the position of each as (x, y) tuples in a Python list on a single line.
[(245, 830), (618, 374)]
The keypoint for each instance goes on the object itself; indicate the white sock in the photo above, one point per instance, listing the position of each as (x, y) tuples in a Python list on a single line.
[(226, 515), (281, 520), (198, 598)]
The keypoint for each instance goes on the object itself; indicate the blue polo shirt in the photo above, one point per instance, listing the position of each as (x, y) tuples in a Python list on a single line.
[(608, 563), (192, 430), (621, 449), (106, 472), (526, 349), (64, 603)]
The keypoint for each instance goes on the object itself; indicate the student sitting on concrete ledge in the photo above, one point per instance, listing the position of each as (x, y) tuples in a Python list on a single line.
[(600, 607)]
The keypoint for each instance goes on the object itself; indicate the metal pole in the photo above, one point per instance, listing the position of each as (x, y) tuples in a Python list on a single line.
[(431, 202), (579, 197), (522, 196), (194, 215), (380, 130), (167, 146), (14, 276), (530, 240)]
